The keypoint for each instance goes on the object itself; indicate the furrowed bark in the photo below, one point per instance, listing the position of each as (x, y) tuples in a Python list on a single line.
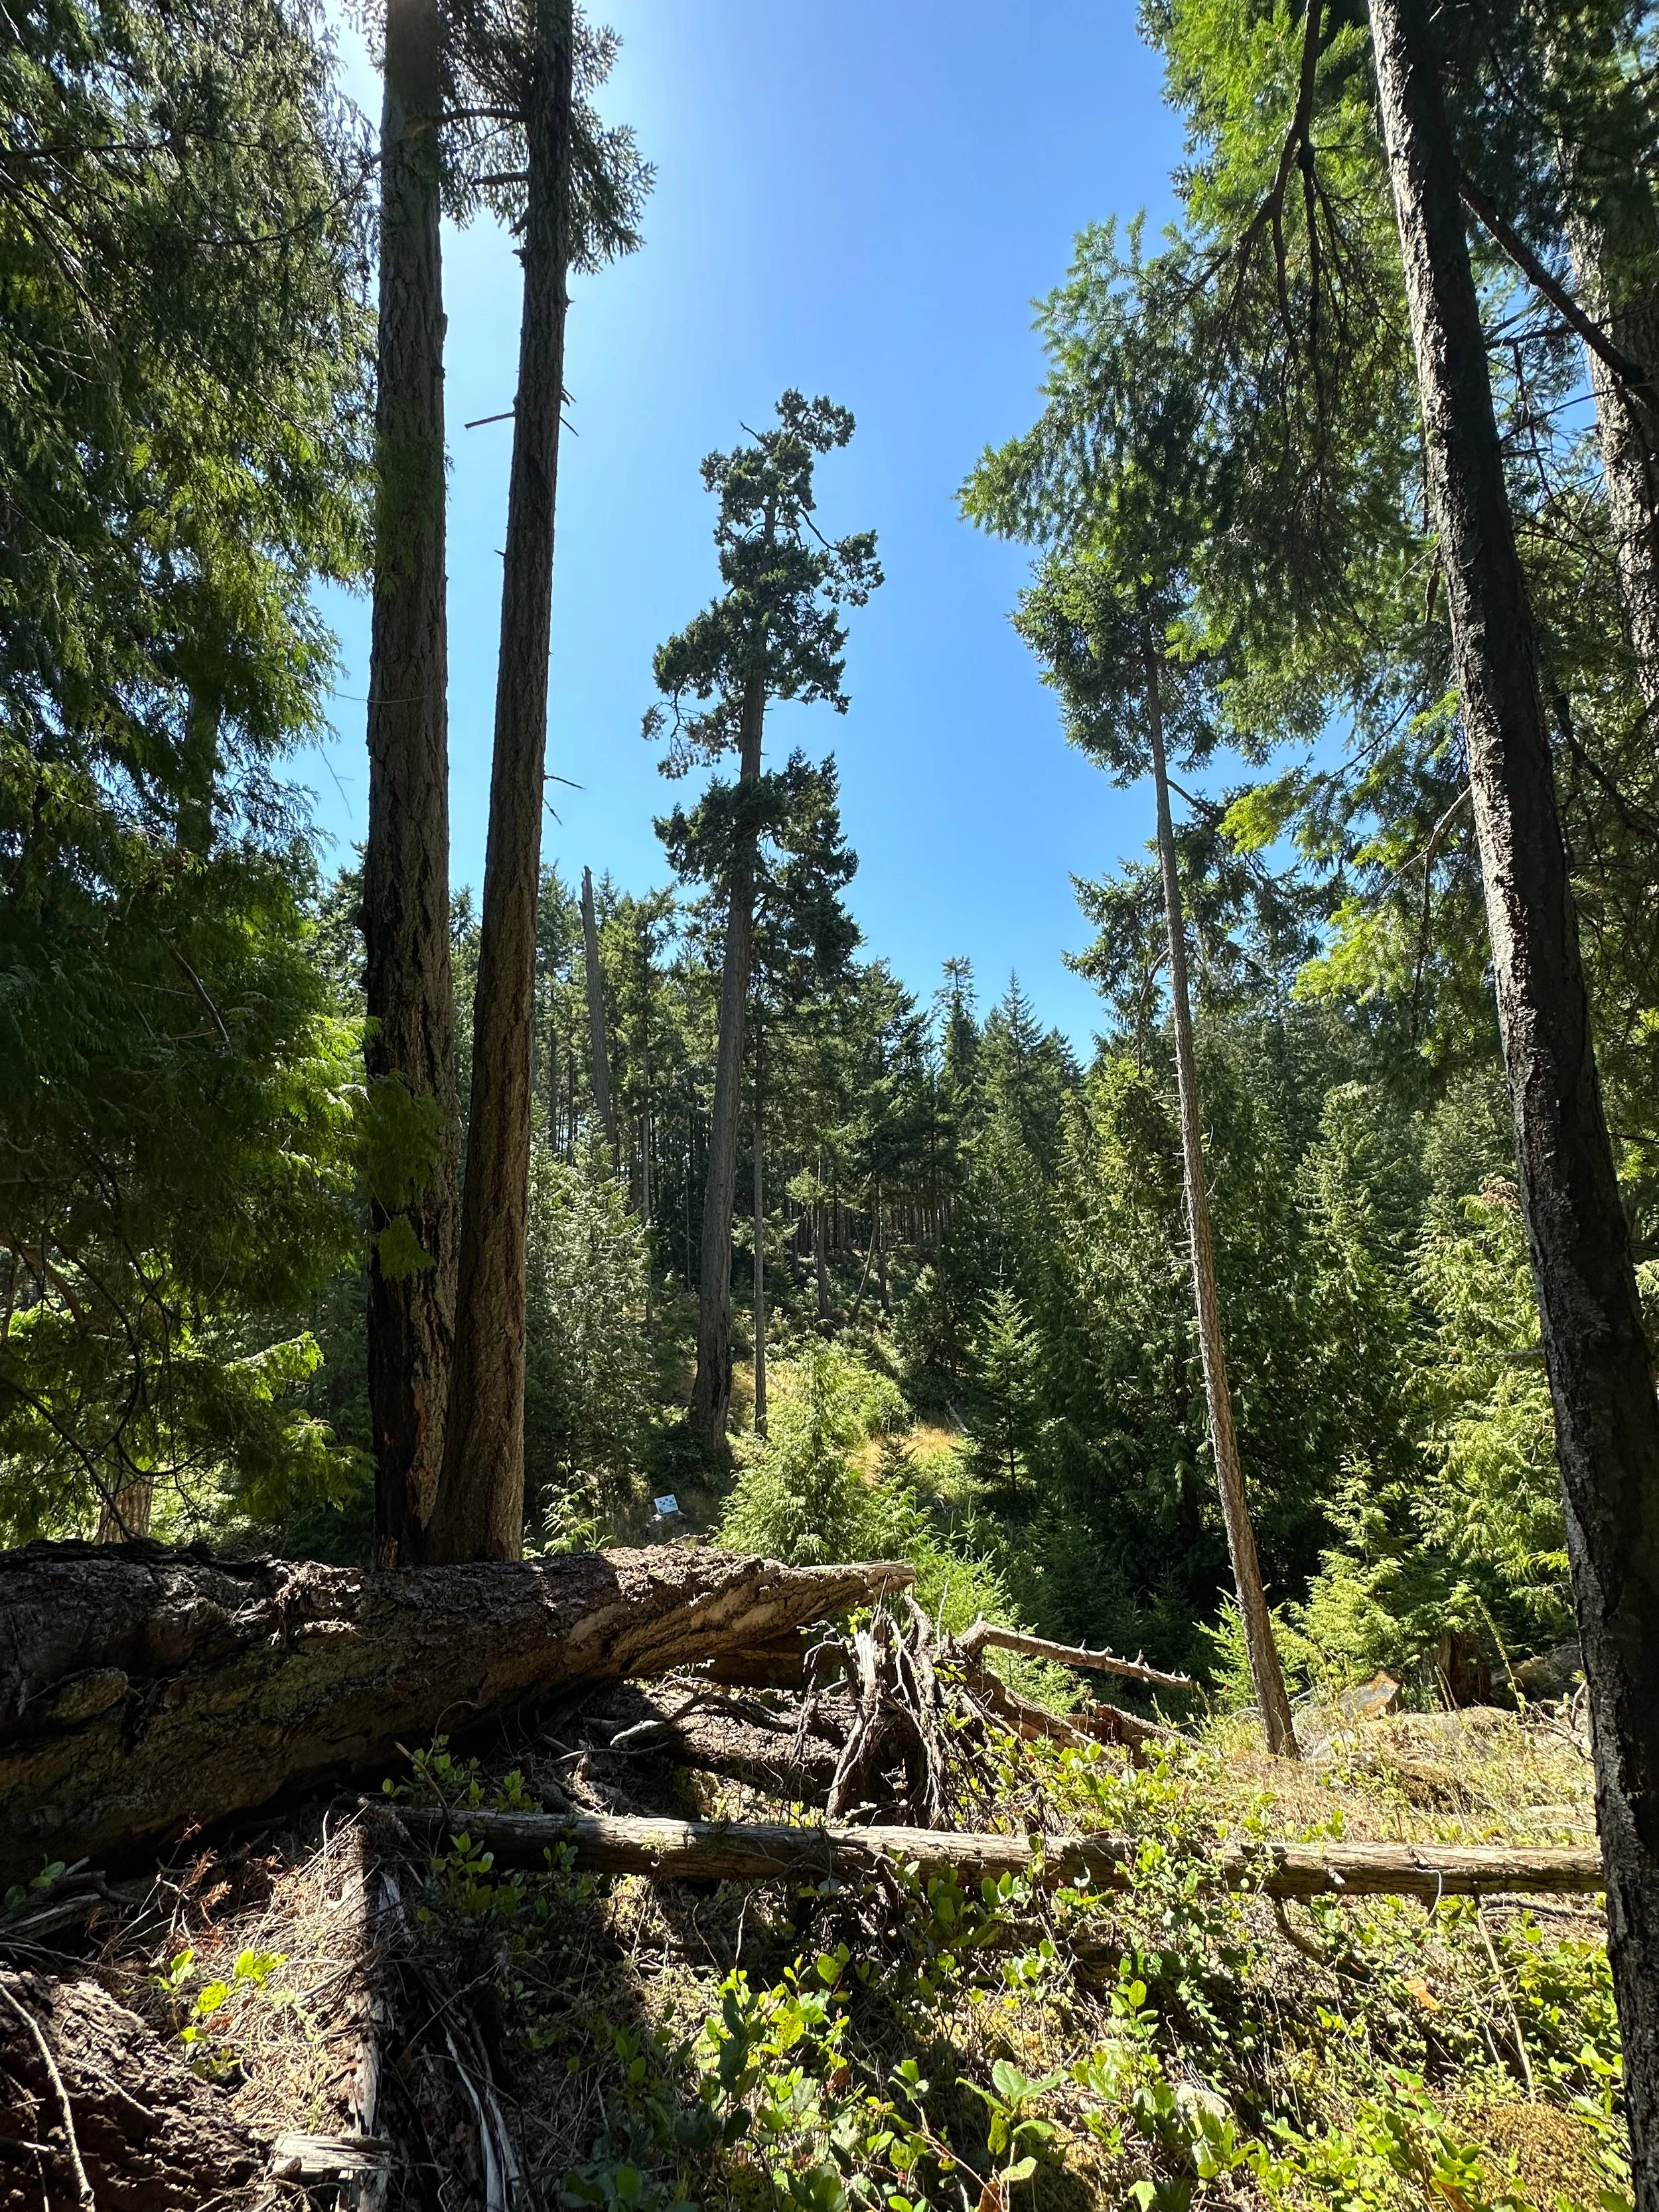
[(710, 1410), (141, 1688), (148, 2135), (724, 1851), (412, 1032), (1224, 1440), (479, 1514), (1595, 1350)]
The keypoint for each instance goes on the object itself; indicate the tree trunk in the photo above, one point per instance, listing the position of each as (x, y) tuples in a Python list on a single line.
[(479, 1514), (126, 1514), (593, 980), (711, 1392), (1613, 230), (151, 2135), (647, 1119), (760, 1249), (1628, 435), (733, 1850), (1223, 1441), (1595, 1350), (411, 1015), (142, 1687)]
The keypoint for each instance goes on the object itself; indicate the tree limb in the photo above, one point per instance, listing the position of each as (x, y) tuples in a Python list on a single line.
[(718, 1851)]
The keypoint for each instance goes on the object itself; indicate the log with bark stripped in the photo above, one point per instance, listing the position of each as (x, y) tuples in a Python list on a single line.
[(715, 1851), (141, 1688)]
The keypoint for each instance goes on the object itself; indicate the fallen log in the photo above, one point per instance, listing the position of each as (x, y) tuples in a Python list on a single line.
[(142, 1689), (984, 1632), (718, 1851)]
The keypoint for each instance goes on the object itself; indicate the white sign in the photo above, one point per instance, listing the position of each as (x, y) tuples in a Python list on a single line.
[(666, 1505)]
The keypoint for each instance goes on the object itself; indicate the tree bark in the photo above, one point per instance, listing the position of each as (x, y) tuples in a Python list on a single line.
[(1614, 231), (150, 2134), (1626, 431), (728, 1850), (711, 1391), (479, 1513), (1595, 1350), (760, 1250), (142, 1687), (411, 1020), (1265, 1669), (597, 1055)]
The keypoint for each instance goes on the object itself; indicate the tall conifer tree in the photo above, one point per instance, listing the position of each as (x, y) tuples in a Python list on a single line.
[(775, 633), (581, 186), (410, 1046)]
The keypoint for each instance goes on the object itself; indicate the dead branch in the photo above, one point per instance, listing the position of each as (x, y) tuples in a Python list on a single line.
[(715, 1851), (984, 1633)]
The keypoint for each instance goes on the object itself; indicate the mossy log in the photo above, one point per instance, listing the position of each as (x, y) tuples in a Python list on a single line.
[(143, 1690), (715, 1851)]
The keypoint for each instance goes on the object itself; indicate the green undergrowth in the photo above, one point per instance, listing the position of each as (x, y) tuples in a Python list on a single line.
[(914, 2045)]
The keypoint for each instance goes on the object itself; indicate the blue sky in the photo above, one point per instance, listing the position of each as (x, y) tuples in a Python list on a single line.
[(863, 202)]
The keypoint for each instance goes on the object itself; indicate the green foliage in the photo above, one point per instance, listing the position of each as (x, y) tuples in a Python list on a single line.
[(179, 1187), (182, 446), (797, 1498), (778, 623), (1007, 1389), (211, 2016), (1469, 1536), (1161, 2044), (590, 1383)]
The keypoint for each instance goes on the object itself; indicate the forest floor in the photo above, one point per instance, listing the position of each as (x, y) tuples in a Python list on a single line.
[(563, 2039)]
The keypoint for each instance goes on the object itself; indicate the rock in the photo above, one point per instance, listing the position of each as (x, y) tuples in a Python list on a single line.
[(1550, 1675), (1372, 1701)]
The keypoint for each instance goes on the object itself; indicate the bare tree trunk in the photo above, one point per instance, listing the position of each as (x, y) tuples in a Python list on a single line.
[(1613, 230), (480, 1509), (760, 1248), (593, 980), (1223, 1441), (1595, 1349), (412, 1026), (711, 1392)]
